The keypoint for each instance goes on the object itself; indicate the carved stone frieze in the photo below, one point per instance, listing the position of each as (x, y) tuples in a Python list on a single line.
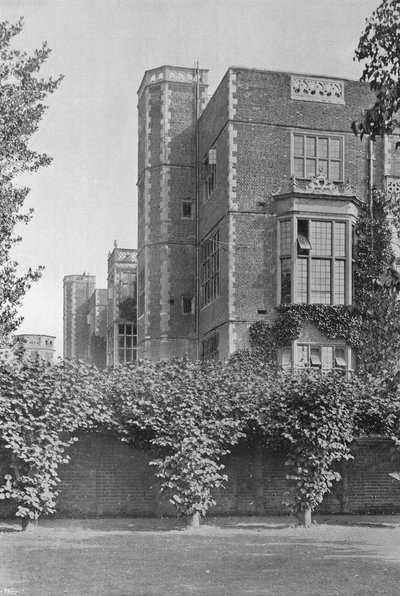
[(172, 74), (393, 185), (316, 89), (321, 184), (184, 77), (157, 76)]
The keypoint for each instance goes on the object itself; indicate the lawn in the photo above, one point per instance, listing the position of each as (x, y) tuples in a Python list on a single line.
[(226, 556)]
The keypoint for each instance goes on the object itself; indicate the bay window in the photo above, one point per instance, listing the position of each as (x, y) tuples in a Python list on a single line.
[(314, 261)]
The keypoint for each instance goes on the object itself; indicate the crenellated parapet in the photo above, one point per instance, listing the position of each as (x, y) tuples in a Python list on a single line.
[(172, 74)]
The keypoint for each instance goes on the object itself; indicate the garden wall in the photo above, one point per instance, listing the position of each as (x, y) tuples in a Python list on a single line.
[(107, 477)]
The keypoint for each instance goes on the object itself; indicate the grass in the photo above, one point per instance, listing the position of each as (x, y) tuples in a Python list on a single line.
[(227, 556)]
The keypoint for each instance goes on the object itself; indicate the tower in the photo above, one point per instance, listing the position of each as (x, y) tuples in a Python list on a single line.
[(170, 100), (121, 315), (77, 291)]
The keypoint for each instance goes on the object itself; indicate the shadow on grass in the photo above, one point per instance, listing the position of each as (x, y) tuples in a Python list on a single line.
[(9, 530)]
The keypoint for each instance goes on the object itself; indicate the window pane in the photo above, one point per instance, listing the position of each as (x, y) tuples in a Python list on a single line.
[(320, 281), (315, 357), (340, 359), (286, 357), (335, 170), (327, 357), (323, 168), (286, 240), (301, 280), (302, 356), (311, 146), (121, 329), (311, 168), (323, 148), (299, 167), (340, 239), (321, 238), (335, 149), (339, 282), (128, 329), (298, 145)]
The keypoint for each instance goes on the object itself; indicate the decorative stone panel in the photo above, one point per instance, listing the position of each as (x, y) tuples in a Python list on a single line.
[(316, 89), (393, 185), (321, 184)]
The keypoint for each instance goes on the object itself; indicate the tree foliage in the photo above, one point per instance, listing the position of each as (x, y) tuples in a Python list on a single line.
[(41, 409), (22, 96), (312, 420), (191, 414), (376, 297), (379, 48)]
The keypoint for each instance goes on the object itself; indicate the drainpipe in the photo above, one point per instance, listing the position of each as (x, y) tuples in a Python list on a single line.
[(371, 189), (197, 223)]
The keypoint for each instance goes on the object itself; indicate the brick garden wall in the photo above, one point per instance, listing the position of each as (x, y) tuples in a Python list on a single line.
[(107, 477)]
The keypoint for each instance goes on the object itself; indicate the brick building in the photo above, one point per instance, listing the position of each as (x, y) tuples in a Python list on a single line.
[(246, 202), (121, 313), (77, 292), (100, 324), (97, 327), (36, 345)]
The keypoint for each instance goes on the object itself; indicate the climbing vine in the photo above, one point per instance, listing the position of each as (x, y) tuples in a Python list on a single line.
[(333, 322)]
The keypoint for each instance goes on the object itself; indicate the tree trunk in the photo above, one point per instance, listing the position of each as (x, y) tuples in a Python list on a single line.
[(193, 521), (259, 480), (24, 523), (28, 524), (305, 518)]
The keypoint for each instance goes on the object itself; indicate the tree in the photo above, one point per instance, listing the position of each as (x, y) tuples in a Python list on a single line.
[(375, 289), (379, 46), (191, 413), (21, 108), (42, 408), (311, 420)]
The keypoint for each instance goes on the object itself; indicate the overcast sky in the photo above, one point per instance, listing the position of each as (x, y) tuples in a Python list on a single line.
[(87, 198)]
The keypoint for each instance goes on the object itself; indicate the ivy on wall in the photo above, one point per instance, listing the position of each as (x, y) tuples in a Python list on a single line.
[(332, 321)]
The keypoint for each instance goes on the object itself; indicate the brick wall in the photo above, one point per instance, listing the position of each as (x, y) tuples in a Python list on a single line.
[(107, 477)]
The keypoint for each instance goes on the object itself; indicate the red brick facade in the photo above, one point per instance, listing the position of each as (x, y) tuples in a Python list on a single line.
[(107, 477), (249, 128)]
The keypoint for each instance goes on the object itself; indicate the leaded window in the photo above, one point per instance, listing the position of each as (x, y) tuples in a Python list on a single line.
[(127, 340), (317, 154), (314, 262), (210, 171), (210, 268), (210, 347), (323, 357)]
